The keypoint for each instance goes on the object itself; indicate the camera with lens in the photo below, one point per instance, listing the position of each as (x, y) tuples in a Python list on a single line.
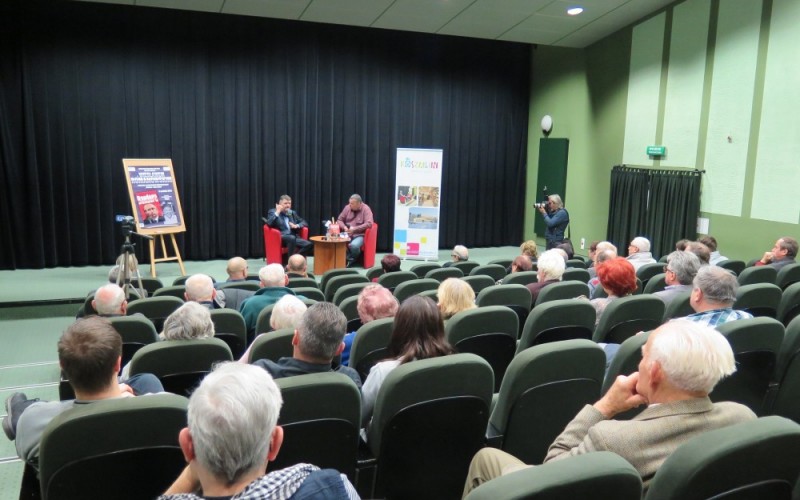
[(127, 222), (539, 205)]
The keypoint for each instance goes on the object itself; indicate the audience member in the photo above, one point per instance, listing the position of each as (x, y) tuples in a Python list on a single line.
[(286, 314), (200, 289), (680, 245), (618, 279), (188, 322), (355, 219), (317, 340), (390, 263), (109, 300), (89, 353), (297, 267), (602, 256), (460, 253), (782, 254), (550, 268), (566, 245), (374, 302), (681, 363), (529, 249), (273, 287), (556, 218), (679, 272), (232, 435), (713, 296), (418, 333), (700, 250), (602, 247), (592, 253), (289, 223), (639, 253), (520, 264), (715, 257), (455, 295), (236, 269)]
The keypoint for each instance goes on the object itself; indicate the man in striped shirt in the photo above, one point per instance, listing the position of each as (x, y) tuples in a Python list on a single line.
[(713, 296)]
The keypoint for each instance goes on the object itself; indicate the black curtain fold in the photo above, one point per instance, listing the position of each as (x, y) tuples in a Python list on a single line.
[(661, 205), (247, 109)]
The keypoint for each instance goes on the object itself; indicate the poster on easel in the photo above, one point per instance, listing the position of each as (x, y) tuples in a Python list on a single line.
[(156, 205), (417, 199)]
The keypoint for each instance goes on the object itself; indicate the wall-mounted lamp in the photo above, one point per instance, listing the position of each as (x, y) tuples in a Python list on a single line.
[(547, 124)]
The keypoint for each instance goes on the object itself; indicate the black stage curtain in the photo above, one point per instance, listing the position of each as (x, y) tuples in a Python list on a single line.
[(661, 205), (247, 109)]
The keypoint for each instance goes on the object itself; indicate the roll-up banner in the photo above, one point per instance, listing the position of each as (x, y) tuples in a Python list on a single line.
[(417, 203)]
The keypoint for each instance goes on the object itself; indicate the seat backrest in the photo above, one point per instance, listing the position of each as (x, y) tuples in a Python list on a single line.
[(332, 273), (373, 272), (180, 364), (302, 282), (787, 275), (789, 308), (229, 326), (787, 375), (656, 283), (490, 332), (576, 263), (156, 309), (321, 417), (557, 320), (562, 290), (757, 274), (494, 271), (391, 280), (576, 274), (679, 307), (504, 295), (172, 291), (136, 332), (444, 273), (451, 394), (310, 293), (521, 278), (337, 282), (647, 271), (139, 440), (370, 344), (759, 299), (250, 286), (626, 316), (602, 474), (351, 290), (413, 287), (148, 283), (506, 263), (755, 459), (737, 266), (349, 307), (370, 245), (422, 269), (545, 387), (755, 343), (273, 345), (478, 282), (263, 320), (466, 266)]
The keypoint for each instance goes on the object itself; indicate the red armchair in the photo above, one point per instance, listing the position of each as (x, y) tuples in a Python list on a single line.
[(370, 242), (273, 248)]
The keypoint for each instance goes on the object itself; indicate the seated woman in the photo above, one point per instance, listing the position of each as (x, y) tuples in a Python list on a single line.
[(374, 302), (188, 322), (390, 263), (529, 249), (286, 314), (455, 295), (418, 333), (618, 279)]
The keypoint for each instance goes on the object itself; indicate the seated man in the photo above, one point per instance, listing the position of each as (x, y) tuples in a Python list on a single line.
[(287, 313), (681, 363), (459, 254), (782, 254), (236, 269), (639, 253), (602, 247), (317, 340), (355, 219), (715, 257), (551, 267), (273, 287), (297, 267), (232, 435), (700, 250), (679, 272), (109, 300), (713, 296), (90, 353), (289, 223), (200, 289)]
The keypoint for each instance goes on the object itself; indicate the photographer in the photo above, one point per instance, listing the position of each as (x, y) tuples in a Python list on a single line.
[(556, 218)]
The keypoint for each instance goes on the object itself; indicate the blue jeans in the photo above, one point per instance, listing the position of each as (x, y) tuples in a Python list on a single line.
[(355, 248), (145, 383)]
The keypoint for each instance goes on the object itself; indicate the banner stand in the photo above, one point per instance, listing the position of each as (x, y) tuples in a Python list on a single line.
[(418, 181)]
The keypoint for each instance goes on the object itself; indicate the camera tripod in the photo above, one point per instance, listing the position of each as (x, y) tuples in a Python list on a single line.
[(129, 266)]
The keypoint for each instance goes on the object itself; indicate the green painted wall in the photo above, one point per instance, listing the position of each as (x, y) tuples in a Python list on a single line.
[(585, 91)]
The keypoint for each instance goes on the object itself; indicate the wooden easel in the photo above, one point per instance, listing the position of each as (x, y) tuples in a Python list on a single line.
[(166, 257)]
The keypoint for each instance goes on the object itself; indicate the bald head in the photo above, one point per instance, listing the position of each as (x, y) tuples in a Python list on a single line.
[(199, 288), (296, 264), (109, 300), (237, 269)]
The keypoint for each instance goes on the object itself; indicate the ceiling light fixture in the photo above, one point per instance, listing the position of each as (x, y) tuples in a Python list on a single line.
[(574, 11)]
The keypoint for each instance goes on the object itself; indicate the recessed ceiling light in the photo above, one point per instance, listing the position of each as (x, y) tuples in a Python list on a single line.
[(574, 11)]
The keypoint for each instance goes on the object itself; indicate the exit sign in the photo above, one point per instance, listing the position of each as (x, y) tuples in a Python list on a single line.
[(656, 150)]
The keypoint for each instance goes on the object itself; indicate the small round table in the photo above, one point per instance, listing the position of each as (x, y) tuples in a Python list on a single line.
[(329, 254)]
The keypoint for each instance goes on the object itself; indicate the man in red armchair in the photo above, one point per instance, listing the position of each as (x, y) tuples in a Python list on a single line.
[(289, 223), (355, 219)]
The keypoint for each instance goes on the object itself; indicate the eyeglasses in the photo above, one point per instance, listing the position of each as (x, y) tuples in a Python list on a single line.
[(667, 269)]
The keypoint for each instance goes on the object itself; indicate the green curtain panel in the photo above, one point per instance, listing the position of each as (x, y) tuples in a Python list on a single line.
[(661, 205)]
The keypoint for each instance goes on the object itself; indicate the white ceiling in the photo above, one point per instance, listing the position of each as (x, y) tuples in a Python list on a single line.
[(543, 22)]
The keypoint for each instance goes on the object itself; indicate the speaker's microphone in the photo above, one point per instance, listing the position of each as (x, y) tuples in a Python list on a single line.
[(288, 212), (264, 219)]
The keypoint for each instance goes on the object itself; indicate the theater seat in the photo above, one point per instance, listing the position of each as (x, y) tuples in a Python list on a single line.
[(273, 248), (370, 243)]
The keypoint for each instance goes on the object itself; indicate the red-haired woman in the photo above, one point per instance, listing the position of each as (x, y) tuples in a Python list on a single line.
[(618, 279)]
